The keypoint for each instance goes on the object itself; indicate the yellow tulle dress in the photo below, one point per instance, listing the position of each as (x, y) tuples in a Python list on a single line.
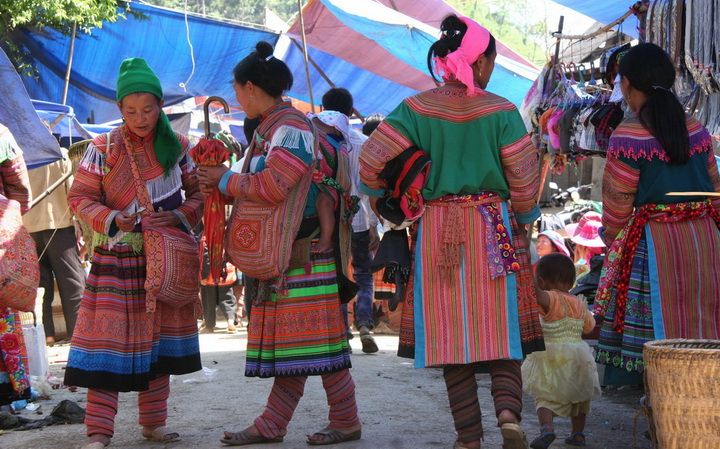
[(564, 377)]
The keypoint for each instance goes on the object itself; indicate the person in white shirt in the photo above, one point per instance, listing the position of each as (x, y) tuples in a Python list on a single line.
[(365, 233)]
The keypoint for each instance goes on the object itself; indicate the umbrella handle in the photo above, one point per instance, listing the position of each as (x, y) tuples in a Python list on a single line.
[(206, 111)]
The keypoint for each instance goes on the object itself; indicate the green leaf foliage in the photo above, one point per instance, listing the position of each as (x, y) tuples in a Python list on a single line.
[(59, 15)]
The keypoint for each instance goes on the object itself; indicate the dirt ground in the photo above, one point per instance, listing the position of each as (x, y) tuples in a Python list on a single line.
[(400, 407)]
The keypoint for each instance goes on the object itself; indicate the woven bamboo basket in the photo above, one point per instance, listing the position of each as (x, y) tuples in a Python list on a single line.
[(682, 380)]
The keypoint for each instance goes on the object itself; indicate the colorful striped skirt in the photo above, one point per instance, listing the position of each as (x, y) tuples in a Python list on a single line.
[(469, 315), (119, 346), (674, 292), (303, 333)]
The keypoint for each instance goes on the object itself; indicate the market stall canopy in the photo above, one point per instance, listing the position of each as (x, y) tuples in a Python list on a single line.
[(17, 113), (160, 38), (383, 43), (374, 51), (604, 11)]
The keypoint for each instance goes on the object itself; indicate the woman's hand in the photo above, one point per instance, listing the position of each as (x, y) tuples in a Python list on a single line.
[(210, 177), (163, 219), (125, 221)]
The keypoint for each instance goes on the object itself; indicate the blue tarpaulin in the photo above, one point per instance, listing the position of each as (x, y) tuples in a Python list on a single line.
[(160, 39), (379, 41), (605, 11), (386, 66), (17, 113)]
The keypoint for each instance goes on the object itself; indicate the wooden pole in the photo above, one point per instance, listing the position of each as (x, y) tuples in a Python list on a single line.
[(50, 189), (325, 77), (556, 61), (69, 64), (305, 53)]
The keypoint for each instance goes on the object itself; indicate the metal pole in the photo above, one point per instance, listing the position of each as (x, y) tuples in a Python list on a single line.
[(305, 53), (69, 64)]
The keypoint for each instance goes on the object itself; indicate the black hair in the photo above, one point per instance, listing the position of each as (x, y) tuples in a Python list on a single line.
[(649, 69), (338, 99), (556, 269), (371, 123), (264, 70), (249, 127), (453, 30)]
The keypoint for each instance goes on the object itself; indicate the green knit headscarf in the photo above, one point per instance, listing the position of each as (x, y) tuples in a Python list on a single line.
[(136, 76)]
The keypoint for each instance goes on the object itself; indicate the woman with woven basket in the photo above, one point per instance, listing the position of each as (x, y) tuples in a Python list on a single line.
[(135, 178), (660, 275), (296, 326)]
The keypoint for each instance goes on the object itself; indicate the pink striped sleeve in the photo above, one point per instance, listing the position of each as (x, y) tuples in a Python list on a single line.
[(283, 170), (620, 184), (86, 192), (15, 181), (382, 146), (521, 167)]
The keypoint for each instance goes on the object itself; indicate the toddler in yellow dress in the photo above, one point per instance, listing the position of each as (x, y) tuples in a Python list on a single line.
[(563, 379)]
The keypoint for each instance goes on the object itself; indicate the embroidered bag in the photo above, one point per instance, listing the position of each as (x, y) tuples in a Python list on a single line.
[(172, 256), (260, 236), (19, 271)]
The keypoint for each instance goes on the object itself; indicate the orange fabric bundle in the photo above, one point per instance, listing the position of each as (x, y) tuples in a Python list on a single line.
[(212, 153)]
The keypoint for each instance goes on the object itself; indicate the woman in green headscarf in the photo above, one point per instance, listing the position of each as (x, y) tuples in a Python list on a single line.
[(117, 345)]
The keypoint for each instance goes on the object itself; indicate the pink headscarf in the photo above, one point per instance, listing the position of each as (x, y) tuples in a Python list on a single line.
[(457, 64)]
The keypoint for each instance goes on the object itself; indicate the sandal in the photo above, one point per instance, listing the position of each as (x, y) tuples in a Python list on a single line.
[(513, 436), (333, 436), (459, 445), (244, 438), (573, 441), (547, 436), (94, 445), (162, 435)]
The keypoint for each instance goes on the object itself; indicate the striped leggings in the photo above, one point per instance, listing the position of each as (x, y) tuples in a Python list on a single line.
[(287, 391), (102, 407), (506, 390)]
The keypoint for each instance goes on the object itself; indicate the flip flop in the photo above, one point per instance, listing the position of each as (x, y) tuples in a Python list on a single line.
[(513, 436), (162, 435), (572, 440), (333, 436), (244, 438), (547, 436)]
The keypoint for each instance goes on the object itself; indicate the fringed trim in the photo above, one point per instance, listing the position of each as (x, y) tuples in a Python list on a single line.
[(93, 160), (649, 149), (290, 138), (134, 239), (618, 360), (165, 186)]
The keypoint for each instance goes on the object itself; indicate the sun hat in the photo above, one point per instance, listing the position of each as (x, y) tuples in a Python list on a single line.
[(588, 235), (557, 241), (573, 228)]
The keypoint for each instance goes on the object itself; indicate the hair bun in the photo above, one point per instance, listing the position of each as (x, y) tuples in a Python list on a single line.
[(263, 49)]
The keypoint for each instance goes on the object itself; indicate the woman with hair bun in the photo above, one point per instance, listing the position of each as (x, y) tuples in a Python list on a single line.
[(660, 275), (297, 330), (471, 302)]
